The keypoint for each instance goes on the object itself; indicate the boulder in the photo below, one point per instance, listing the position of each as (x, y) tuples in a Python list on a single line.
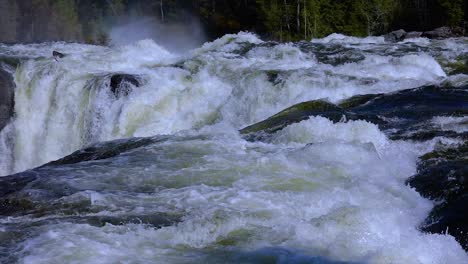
[(459, 31), (439, 33), (442, 177), (58, 55), (395, 36), (413, 34), (10, 61), (7, 91), (293, 114), (103, 150), (401, 113), (458, 67), (121, 84)]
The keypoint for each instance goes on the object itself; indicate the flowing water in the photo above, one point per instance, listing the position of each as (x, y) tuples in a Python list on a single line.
[(165, 176)]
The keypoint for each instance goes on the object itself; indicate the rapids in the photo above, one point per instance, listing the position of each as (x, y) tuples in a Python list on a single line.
[(160, 173)]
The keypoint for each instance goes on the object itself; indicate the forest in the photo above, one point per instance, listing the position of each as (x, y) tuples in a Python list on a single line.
[(283, 20)]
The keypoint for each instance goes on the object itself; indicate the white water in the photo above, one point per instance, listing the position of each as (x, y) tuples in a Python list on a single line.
[(63, 106), (342, 197), (318, 188)]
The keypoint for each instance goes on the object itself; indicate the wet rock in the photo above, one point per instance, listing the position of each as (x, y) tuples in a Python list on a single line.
[(294, 114), (156, 220), (395, 36), (402, 114), (358, 100), (273, 76), (58, 55), (439, 33), (417, 104), (417, 133), (459, 31), (458, 67), (450, 217), (121, 84), (7, 90), (413, 34), (103, 150), (12, 184), (10, 61), (442, 176)]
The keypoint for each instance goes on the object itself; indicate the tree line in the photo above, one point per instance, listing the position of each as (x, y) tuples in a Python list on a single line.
[(283, 20)]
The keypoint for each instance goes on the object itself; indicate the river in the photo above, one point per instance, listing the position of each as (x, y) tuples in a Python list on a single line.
[(158, 168)]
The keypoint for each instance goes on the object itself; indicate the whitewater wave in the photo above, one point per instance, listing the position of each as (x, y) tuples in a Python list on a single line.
[(238, 79), (191, 188)]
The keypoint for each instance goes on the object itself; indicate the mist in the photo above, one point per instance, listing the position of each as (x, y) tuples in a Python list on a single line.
[(176, 37)]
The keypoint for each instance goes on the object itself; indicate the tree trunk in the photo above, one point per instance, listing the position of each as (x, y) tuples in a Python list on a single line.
[(286, 16), (305, 20), (298, 16), (162, 10)]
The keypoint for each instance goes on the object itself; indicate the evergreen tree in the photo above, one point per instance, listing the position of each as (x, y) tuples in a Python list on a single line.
[(8, 20), (453, 11), (284, 20), (64, 20)]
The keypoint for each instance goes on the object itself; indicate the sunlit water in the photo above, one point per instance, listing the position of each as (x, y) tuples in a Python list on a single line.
[(191, 188)]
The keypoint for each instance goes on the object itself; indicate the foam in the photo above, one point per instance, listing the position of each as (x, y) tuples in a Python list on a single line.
[(340, 38), (61, 106), (448, 123), (336, 199), (334, 190)]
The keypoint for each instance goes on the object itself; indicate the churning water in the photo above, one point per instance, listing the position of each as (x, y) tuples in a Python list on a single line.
[(165, 176)]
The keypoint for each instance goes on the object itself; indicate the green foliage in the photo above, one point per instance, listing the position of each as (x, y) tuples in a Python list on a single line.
[(377, 14), (283, 20), (65, 20), (303, 19), (453, 10)]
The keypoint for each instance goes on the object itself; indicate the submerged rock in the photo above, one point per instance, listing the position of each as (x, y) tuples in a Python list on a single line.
[(7, 90), (443, 176), (121, 84), (156, 220)]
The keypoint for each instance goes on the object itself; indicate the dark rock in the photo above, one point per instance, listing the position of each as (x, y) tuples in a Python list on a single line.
[(413, 34), (156, 220), (459, 31), (273, 76), (7, 91), (58, 55), (458, 67), (357, 100), (443, 176), (121, 84), (450, 218), (295, 114), (404, 113), (12, 184), (395, 36), (331, 53), (416, 105), (10, 61), (104, 150), (439, 33)]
